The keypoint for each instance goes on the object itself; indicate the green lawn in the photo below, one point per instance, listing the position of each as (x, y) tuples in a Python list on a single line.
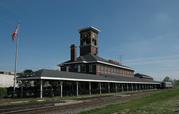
[(163, 102)]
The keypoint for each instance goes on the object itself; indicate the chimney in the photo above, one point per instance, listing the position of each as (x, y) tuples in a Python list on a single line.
[(73, 52)]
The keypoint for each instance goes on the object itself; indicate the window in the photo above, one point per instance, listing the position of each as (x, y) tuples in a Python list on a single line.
[(79, 68), (94, 42), (120, 71), (67, 68), (101, 68), (94, 67), (83, 68), (90, 68), (87, 41), (115, 70), (75, 69), (105, 69)]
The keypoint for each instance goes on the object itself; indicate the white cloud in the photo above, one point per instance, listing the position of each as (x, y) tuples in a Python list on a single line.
[(157, 67), (153, 60)]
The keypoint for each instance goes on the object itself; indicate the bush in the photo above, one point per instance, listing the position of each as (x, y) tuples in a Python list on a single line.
[(3, 92)]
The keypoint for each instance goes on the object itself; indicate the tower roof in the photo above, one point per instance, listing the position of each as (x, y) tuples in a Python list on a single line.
[(89, 28)]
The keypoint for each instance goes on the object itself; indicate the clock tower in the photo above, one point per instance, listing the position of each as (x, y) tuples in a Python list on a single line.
[(89, 41)]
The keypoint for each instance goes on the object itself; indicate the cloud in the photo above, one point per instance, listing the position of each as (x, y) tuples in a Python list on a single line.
[(157, 67), (154, 60), (162, 17)]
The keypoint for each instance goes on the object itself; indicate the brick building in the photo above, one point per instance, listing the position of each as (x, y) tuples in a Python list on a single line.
[(89, 61)]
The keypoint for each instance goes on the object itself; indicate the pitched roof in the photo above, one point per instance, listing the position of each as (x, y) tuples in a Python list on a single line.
[(139, 75), (94, 58), (61, 75), (89, 28)]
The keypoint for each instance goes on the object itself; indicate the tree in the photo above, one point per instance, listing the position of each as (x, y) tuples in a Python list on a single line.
[(167, 79), (26, 73), (176, 82)]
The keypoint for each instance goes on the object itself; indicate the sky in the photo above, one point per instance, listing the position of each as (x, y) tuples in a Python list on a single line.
[(142, 34)]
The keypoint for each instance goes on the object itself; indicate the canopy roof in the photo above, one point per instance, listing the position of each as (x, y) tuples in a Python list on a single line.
[(71, 76)]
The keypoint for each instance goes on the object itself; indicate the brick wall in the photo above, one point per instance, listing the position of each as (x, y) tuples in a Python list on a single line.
[(110, 70), (99, 69)]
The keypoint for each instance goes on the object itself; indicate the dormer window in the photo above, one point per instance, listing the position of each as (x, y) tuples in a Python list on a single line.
[(83, 68)]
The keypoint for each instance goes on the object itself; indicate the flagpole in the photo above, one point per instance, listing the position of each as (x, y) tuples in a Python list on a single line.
[(15, 66)]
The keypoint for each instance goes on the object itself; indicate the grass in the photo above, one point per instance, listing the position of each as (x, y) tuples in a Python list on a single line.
[(160, 102), (163, 102)]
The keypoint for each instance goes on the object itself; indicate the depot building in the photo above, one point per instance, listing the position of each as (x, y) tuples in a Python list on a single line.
[(87, 73)]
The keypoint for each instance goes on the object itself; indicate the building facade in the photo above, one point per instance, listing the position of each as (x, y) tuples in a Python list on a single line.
[(6, 79)]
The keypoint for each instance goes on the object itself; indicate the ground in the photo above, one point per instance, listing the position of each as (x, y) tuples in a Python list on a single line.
[(138, 102), (163, 102)]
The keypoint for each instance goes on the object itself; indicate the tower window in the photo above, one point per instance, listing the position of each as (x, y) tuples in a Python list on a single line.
[(87, 41), (94, 42), (83, 42)]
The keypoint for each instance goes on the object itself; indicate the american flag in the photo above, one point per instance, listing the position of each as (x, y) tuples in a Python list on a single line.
[(14, 34)]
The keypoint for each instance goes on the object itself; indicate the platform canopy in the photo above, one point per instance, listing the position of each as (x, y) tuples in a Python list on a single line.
[(46, 74)]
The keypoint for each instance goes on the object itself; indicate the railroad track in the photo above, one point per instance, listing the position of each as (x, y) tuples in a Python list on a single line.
[(69, 108)]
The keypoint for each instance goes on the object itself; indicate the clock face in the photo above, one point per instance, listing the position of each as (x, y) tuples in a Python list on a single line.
[(85, 35)]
